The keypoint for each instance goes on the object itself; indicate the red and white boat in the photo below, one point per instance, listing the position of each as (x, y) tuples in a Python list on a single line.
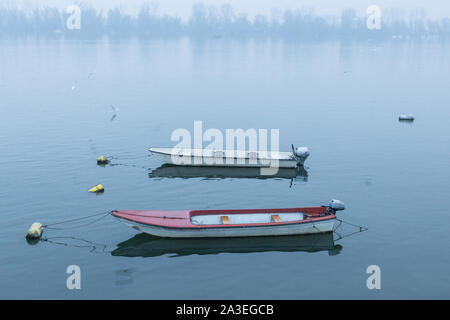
[(232, 223)]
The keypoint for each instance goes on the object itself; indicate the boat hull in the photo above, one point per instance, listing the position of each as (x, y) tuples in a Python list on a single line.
[(284, 160), (304, 227)]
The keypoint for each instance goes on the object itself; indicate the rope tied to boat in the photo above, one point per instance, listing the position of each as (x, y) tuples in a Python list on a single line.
[(88, 244), (34, 234), (102, 214), (340, 236), (159, 217), (351, 224), (112, 161)]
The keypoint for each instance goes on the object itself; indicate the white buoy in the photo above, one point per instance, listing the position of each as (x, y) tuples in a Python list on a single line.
[(406, 117), (35, 231)]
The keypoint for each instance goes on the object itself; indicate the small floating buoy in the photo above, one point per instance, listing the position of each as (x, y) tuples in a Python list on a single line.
[(98, 188), (35, 231), (102, 160), (406, 117)]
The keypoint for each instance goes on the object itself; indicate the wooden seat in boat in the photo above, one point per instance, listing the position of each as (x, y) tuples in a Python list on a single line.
[(225, 219), (276, 218)]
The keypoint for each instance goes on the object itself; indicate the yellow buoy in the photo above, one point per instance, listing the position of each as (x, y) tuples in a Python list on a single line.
[(97, 188), (102, 160), (35, 231)]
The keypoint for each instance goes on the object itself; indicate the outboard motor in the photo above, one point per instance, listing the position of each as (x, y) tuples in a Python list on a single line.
[(335, 205), (300, 154)]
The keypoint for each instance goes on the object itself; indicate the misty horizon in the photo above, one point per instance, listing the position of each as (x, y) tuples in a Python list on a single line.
[(222, 21), (434, 9)]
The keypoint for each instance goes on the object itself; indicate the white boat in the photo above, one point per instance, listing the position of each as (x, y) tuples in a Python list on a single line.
[(406, 118), (232, 158)]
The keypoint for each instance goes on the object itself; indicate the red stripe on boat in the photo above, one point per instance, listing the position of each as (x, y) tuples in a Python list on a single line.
[(182, 218)]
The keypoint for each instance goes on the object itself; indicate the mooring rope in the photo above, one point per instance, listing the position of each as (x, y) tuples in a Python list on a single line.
[(160, 217), (354, 225), (112, 163), (128, 165), (124, 157), (361, 229), (103, 215), (90, 244)]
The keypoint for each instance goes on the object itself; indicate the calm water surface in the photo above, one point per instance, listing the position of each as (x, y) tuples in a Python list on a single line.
[(342, 100)]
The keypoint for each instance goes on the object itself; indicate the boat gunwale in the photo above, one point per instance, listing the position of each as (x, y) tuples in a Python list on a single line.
[(225, 226), (307, 210), (288, 155), (190, 225)]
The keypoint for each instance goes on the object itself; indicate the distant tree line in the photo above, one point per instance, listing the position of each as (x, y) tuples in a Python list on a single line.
[(209, 21)]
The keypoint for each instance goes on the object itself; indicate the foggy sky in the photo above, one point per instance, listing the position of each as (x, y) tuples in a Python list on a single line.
[(435, 9)]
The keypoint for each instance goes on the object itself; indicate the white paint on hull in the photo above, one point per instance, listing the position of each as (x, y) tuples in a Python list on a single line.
[(257, 231), (226, 158)]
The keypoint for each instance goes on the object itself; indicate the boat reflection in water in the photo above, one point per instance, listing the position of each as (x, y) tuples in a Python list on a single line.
[(145, 245), (186, 172)]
